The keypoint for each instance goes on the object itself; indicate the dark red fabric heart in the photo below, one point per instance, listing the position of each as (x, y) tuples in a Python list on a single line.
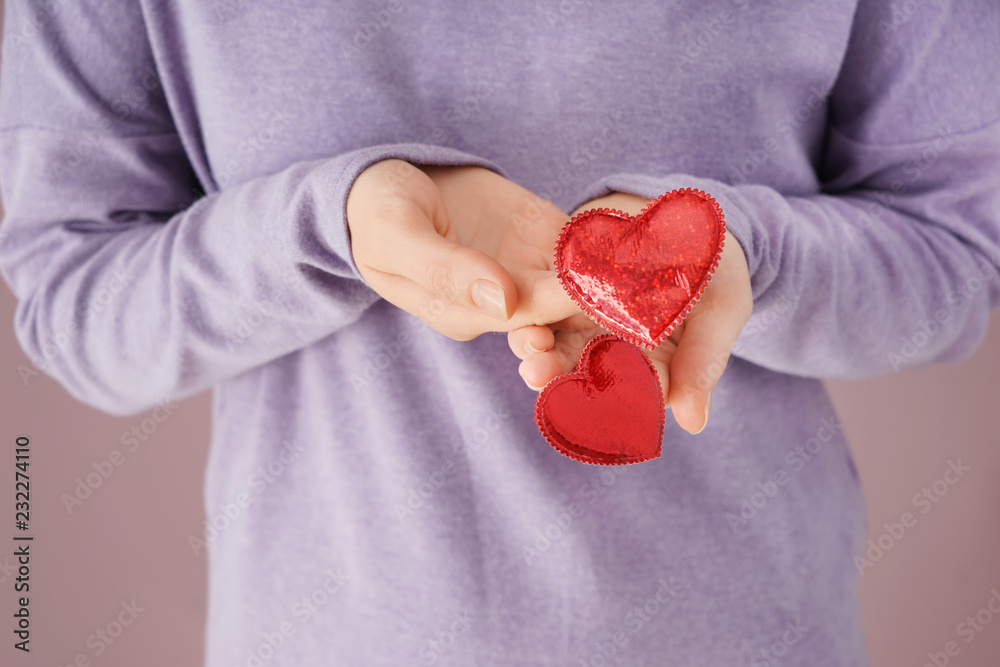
[(639, 277), (610, 411)]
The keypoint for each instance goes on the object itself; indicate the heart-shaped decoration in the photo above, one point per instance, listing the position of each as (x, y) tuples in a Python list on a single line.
[(610, 411), (639, 277)]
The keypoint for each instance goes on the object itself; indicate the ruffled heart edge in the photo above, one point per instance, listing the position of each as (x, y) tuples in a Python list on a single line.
[(590, 309), (581, 373)]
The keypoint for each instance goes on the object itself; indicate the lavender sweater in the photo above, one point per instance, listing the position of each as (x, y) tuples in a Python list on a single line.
[(378, 494)]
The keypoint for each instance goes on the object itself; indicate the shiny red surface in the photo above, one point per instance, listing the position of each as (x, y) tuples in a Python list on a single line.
[(639, 276), (609, 412)]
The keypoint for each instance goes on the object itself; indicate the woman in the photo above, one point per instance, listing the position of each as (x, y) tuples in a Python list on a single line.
[(383, 186)]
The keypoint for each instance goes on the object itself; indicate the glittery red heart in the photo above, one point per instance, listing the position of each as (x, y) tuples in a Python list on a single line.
[(639, 276), (610, 411)]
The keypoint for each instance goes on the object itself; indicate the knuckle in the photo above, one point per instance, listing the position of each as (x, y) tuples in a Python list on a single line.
[(516, 341), (440, 280), (396, 210)]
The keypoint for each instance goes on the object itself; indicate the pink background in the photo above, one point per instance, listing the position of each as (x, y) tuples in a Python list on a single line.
[(128, 541)]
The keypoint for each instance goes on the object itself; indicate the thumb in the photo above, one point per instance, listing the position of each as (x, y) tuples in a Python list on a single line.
[(695, 369), (450, 271), (541, 299), (700, 360), (709, 334)]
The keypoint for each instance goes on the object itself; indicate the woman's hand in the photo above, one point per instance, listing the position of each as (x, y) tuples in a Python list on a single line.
[(462, 248), (689, 362)]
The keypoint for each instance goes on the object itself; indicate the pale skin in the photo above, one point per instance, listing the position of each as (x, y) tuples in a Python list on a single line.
[(424, 238)]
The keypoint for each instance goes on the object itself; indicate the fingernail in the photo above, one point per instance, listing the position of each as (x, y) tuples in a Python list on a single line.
[(520, 371), (708, 407), (529, 348), (490, 298)]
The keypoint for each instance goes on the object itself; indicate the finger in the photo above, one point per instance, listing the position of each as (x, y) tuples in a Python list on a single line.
[(456, 273), (530, 340), (541, 300), (538, 369), (412, 247), (700, 360), (457, 321), (691, 369)]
